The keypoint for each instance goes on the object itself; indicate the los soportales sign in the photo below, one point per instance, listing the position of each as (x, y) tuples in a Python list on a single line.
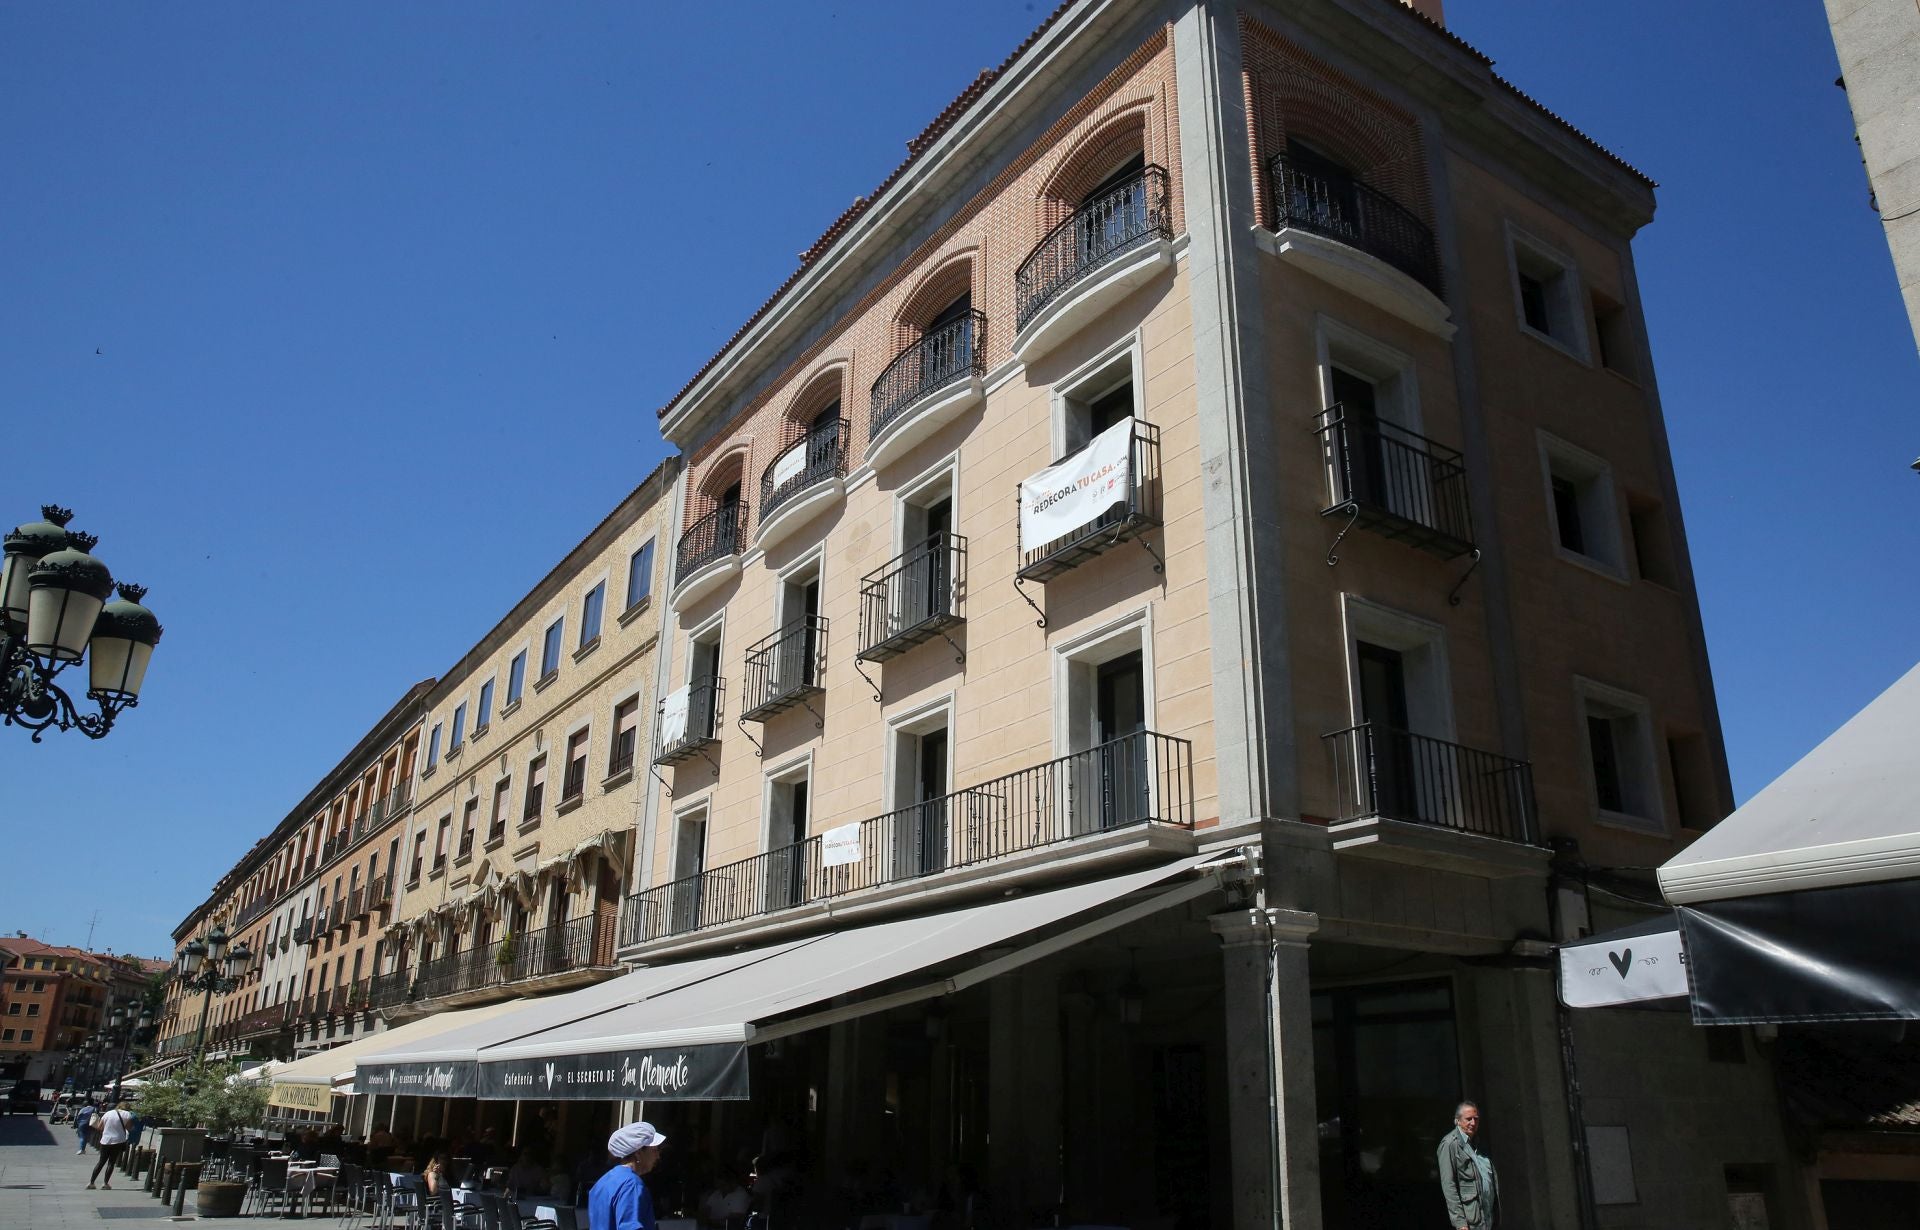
[(715, 1072)]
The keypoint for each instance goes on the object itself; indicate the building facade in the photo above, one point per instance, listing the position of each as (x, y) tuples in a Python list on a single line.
[(53, 999), (1878, 42), (1233, 427), (515, 859), (309, 901)]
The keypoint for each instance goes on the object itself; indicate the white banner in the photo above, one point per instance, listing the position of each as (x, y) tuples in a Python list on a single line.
[(790, 464), (1623, 971), (840, 846), (1073, 493), (673, 717)]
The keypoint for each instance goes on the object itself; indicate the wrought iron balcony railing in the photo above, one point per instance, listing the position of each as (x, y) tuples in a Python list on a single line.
[(699, 729), (621, 758), (1396, 482), (1135, 509), (1389, 774), (303, 931), (1138, 779), (1344, 209), (942, 356), (581, 943), (380, 892), (819, 455), (912, 598), (1127, 216), (573, 784), (720, 533), (387, 990), (254, 909), (785, 669), (398, 801)]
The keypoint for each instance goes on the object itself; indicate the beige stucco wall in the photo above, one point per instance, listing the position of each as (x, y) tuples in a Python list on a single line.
[(584, 692)]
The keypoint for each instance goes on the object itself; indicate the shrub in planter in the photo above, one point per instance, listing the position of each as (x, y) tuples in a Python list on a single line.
[(204, 1095), (221, 1199)]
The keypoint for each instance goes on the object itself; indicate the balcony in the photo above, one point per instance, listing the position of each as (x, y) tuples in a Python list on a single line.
[(708, 554), (260, 1021), (928, 385), (806, 478), (1105, 250), (1357, 238), (1136, 782), (541, 953), (398, 801), (1135, 508), (303, 931), (785, 669), (688, 722), (573, 786), (254, 909), (620, 763), (380, 892), (912, 598), (1396, 483), (388, 990), (1397, 790)]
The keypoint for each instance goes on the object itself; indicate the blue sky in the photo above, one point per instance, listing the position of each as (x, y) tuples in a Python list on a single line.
[(339, 323)]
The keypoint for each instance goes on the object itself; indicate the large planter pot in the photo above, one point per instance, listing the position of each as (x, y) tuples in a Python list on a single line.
[(221, 1199), (177, 1144)]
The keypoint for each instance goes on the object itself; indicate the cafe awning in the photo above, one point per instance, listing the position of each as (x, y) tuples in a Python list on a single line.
[(446, 1063), (1802, 904), (690, 1042), (307, 1083), (1641, 964)]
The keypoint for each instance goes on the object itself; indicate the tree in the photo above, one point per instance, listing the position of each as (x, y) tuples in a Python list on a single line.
[(206, 1095)]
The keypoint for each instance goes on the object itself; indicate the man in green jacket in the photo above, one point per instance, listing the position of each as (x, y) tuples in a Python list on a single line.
[(1466, 1174)]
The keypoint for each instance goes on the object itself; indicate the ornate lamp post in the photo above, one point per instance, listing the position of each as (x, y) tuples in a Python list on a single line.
[(117, 1038), (54, 612), (207, 966)]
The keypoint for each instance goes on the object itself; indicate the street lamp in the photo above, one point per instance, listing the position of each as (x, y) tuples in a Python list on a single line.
[(118, 1035), (207, 966), (54, 612)]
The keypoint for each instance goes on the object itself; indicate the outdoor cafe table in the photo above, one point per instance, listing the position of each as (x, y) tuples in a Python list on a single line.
[(302, 1177)]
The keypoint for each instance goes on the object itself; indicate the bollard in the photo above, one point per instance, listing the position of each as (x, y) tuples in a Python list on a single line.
[(166, 1181), (146, 1184), (189, 1178)]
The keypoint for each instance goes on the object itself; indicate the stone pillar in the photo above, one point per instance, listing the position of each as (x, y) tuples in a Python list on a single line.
[(1513, 1034), (1273, 1131)]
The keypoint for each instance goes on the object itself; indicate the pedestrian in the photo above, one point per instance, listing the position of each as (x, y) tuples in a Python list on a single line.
[(620, 1200), (114, 1127), (1466, 1174), (83, 1124)]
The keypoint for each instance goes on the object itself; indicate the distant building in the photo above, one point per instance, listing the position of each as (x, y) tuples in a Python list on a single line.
[(52, 999)]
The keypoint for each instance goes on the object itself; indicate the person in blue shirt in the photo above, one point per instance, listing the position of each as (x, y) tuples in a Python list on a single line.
[(620, 1200)]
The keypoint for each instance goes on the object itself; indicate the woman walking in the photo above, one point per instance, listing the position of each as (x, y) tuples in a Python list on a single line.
[(113, 1126)]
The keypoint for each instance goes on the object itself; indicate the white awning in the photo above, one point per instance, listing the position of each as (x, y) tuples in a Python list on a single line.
[(327, 1067), (736, 1006), (532, 1016), (1847, 813), (1641, 963)]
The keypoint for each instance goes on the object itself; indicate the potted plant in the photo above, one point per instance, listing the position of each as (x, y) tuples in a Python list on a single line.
[(508, 947), (200, 1098)]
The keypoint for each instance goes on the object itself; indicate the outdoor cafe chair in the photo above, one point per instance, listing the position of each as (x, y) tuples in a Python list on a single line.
[(510, 1219), (270, 1184)]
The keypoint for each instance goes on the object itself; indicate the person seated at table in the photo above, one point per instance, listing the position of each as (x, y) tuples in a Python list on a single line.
[(438, 1175), (727, 1198), (305, 1146), (527, 1177)]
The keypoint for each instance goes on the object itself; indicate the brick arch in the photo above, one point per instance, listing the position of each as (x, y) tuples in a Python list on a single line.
[(723, 471), (1092, 159), (817, 392), (1289, 94), (943, 284)]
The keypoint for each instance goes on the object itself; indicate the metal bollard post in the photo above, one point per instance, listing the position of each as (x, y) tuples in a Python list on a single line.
[(146, 1183), (166, 1182), (190, 1177)]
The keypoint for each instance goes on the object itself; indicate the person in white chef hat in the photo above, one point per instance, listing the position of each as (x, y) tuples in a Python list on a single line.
[(620, 1200)]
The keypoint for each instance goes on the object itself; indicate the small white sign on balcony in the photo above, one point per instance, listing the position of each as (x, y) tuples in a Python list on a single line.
[(673, 717), (840, 847), (789, 467), (1073, 493)]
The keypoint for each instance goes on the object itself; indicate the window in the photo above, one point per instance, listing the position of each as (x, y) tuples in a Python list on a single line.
[(483, 712), (1586, 522), (626, 735), (433, 746), (440, 843), (1618, 737), (6, 1035), (26, 1035), (497, 818), (516, 677), (1652, 545), (1547, 299), (640, 575), (1613, 332), (536, 790), (787, 823), (591, 608), (1093, 400), (459, 734), (550, 648), (576, 779), (469, 820), (13, 1009), (33, 1009)]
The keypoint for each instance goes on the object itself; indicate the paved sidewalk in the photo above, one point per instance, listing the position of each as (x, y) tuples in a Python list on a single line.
[(43, 1186)]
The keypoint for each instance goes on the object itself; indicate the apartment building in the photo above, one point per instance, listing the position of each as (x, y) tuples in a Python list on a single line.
[(309, 901), (53, 998), (1232, 431), (530, 788)]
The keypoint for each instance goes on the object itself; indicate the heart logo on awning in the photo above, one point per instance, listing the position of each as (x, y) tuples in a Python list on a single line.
[(1622, 961)]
